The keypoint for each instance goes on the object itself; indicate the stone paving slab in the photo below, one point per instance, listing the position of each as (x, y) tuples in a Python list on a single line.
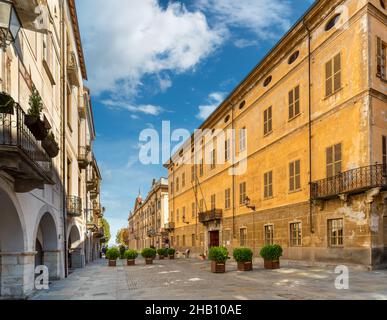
[(190, 279)]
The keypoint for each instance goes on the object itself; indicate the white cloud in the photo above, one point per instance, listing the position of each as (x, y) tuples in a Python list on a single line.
[(213, 101), (125, 40), (265, 18), (147, 109), (244, 43)]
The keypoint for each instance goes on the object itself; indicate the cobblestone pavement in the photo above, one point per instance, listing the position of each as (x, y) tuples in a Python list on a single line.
[(191, 279)]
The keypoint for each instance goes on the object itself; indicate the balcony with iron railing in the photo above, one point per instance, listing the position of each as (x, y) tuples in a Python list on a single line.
[(21, 155), (211, 215), (84, 157), (72, 69), (170, 226), (74, 206), (350, 182), (97, 209)]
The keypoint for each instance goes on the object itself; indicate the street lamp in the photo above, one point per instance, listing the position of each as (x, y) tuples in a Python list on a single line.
[(248, 204), (9, 23)]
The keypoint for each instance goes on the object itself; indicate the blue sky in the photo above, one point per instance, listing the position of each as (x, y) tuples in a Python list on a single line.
[(151, 61)]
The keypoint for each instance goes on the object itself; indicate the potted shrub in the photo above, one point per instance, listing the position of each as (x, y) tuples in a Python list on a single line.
[(32, 119), (7, 103), (112, 255), (149, 255), (218, 257), (271, 255), (50, 145), (131, 256), (171, 253), (244, 258), (161, 253)]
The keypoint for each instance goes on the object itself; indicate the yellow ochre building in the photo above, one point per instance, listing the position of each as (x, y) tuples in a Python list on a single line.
[(311, 123)]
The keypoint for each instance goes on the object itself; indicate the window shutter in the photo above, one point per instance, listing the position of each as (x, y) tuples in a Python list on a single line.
[(329, 160), (337, 72), (328, 78), (297, 100), (338, 159), (291, 104), (379, 57)]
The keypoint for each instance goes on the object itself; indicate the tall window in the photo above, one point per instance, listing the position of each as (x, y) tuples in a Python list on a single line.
[(295, 234), (333, 75), (193, 210), (227, 199), (294, 102), (381, 59), (242, 139), (295, 175), (193, 173), (268, 185), (183, 240), (177, 184), (172, 188), (172, 216), (201, 168), (227, 150), (334, 160), (336, 232), (269, 235), (384, 148), (201, 205), (213, 202), (268, 121), (242, 193), (243, 237), (177, 215), (213, 159), (69, 109), (183, 214), (183, 180)]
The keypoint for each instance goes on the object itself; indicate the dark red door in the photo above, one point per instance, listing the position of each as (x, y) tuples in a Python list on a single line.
[(214, 239)]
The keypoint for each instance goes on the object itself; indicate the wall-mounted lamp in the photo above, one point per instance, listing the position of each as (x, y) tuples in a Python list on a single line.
[(9, 23), (248, 204)]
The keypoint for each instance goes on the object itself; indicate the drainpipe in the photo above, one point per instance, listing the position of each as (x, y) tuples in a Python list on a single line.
[(63, 124), (233, 151), (310, 127)]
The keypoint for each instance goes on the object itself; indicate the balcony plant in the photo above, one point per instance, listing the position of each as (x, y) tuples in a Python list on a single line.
[(218, 257), (131, 256), (33, 118), (161, 253), (112, 255), (171, 253), (7, 103), (244, 258), (271, 255), (149, 255), (50, 145)]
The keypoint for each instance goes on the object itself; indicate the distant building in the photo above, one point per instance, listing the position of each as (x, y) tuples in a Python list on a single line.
[(149, 222)]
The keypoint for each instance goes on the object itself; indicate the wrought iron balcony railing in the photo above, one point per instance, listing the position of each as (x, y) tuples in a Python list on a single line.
[(351, 182), (212, 215), (74, 206), (97, 208), (21, 155), (169, 226), (84, 157)]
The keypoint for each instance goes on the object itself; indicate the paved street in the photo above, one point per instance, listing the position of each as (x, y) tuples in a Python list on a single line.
[(191, 279)]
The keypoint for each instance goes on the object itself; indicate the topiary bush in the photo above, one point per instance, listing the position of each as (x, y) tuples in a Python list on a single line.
[(149, 253), (131, 255), (113, 254), (171, 251), (162, 252), (218, 254), (271, 252), (243, 255)]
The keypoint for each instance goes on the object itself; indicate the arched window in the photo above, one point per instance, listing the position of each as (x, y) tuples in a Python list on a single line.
[(242, 105), (293, 57), (331, 23), (267, 81)]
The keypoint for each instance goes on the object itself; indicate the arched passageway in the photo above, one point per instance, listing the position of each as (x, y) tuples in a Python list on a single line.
[(15, 263), (46, 246), (76, 257)]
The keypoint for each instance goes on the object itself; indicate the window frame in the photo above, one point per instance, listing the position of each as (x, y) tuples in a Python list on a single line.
[(295, 176), (294, 103), (335, 225), (381, 52), (268, 185), (227, 199), (336, 163), (268, 240), (242, 193), (244, 230), (268, 121), (295, 237), (331, 75)]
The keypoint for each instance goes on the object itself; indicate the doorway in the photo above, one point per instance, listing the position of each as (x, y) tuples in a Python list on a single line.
[(214, 239)]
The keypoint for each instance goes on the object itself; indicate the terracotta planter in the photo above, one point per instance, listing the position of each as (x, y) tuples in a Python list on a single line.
[(36, 126), (112, 263), (50, 147), (272, 265), (161, 257), (149, 261), (245, 266), (172, 257), (218, 267), (131, 262)]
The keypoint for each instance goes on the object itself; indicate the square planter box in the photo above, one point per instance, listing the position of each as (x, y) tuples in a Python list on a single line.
[(148, 261), (218, 267), (112, 263), (131, 262), (36, 126), (161, 257), (245, 266), (172, 257), (272, 265)]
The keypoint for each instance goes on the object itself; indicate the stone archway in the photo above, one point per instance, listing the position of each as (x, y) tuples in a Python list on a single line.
[(46, 245), (15, 262), (76, 257)]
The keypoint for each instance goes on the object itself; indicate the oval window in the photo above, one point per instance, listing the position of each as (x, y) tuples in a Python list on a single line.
[(331, 23), (267, 81), (243, 103), (227, 119), (181, 153), (293, 57), (383, 3)]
